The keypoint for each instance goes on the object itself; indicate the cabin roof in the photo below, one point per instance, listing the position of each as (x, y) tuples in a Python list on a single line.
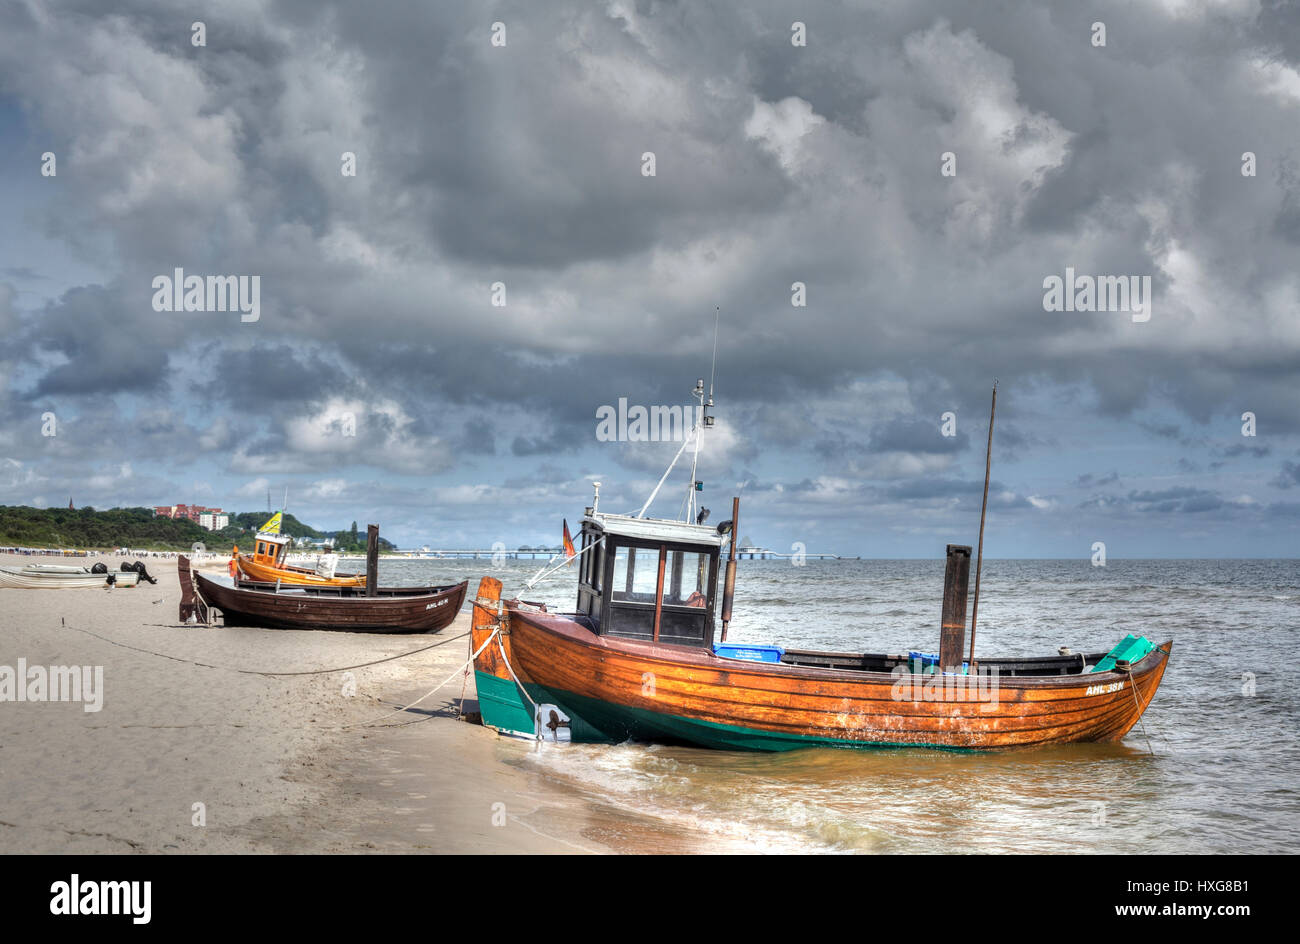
[(655, 529), (274, 538)]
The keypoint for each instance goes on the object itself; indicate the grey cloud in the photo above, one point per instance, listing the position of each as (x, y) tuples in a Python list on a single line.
[(1289, 477), (917, 436), (1088, 480), (1241, 449), (521, 165), (1179, 499), (938, 488)]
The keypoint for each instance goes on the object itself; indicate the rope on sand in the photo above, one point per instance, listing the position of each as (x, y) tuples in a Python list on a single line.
[(231, 668), (449, 678)]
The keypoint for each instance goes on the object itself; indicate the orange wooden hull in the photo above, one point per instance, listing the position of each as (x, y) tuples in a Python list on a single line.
[(615, 689), (295, 576)]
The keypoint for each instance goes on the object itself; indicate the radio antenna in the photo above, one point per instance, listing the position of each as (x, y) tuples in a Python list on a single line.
[(713, 370), (703, 420)]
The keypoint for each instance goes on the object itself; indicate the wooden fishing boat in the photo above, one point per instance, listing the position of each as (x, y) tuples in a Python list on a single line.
[(267, 563), (62, 577), (637, 659), (347, 609), (601, 674)]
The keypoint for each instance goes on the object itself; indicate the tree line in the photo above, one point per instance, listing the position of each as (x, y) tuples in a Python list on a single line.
[(141, 529)]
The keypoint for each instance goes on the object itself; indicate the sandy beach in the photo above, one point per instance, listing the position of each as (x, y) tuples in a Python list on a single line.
[(190, 758)]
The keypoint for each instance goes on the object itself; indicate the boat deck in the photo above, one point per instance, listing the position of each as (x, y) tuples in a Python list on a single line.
[(1037, 666), (1074, 664)]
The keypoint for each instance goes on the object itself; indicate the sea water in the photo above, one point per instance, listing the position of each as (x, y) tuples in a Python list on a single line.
[(1213, 767)]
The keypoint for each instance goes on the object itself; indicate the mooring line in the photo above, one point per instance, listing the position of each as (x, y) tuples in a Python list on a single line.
[(1132, 687), (495, 635), (231, 668)]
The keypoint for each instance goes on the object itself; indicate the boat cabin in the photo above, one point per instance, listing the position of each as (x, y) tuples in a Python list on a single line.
[(270, 549), (649, 578)]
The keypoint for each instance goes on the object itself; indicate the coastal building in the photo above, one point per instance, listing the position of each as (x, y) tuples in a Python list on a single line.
[(214, 519)]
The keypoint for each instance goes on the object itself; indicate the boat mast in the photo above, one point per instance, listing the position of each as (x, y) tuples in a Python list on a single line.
[(698, 394), (979, 559), (702, 422)]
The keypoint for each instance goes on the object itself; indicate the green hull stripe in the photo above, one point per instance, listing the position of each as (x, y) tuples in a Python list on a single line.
[(620, 723), (595, 721), (501, 704)]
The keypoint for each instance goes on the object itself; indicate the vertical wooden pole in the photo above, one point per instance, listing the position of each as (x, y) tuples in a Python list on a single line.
[(372, 560), (729, 585), (952, 631), (979, 559), (659, 590)]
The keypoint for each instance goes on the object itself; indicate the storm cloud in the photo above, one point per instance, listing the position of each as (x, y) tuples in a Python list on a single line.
[(515, 173)]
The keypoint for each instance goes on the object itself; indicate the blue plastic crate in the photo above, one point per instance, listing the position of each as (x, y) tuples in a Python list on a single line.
[(923, 662), (927, 663), (748, 651)]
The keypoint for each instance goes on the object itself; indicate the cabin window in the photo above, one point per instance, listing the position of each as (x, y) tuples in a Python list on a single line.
[(620, 583), (261, 549), (635, 575), (686, 579), (685, 616)]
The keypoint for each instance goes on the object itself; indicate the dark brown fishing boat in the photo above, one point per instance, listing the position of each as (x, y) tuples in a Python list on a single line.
[(345, 609)]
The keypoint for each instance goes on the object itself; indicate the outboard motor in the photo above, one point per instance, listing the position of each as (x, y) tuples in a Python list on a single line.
[(138, 567), (99, 568)]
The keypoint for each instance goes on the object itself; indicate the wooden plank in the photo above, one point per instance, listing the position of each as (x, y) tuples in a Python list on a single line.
[(659, 590), (482, 623), (190, 606)]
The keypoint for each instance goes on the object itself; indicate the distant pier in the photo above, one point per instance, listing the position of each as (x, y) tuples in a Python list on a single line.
[(764, 553), (545, 553)]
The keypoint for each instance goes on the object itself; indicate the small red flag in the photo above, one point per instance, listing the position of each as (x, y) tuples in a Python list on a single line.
[(569, 552)]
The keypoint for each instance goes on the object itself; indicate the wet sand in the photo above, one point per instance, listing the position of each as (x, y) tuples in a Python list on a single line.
[(279, 763)]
